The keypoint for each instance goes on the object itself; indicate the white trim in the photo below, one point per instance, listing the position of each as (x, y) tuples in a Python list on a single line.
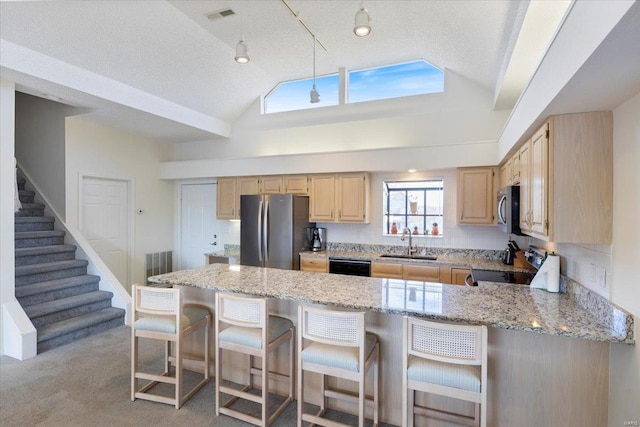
[(130, 217)]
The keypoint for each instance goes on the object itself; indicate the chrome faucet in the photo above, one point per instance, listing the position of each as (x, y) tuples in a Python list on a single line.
[(412, 249)]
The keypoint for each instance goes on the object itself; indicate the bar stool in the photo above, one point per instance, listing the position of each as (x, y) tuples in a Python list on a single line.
[(164, 317), (335, 343), (448, 360), (244, 326)]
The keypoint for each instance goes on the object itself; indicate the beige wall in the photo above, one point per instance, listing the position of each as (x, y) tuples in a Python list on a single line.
[(624, 368), (456, 128), (40, 141), (105, 152)]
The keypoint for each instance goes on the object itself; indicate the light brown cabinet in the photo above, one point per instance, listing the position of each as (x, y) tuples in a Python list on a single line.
[(406, 271), (510, 171), (424, 273), (458, 275), (525, 154), (566, 179), (296, 184), (226, 204), (339, 198), (386, 270), (505, 171), (318, 265), (322, 200), (352, 195), (271, 185), (515, 169), (476, 196), (538, 182), (246, 185), (230, 190)]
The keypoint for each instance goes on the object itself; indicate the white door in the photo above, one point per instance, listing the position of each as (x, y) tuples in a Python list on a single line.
[(199, 233), (105, 223)]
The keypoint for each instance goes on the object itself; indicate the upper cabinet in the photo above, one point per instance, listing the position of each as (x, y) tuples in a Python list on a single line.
[(332, 197), (296, 184), (272, 184), (339, 198), (476, 196), (510, 171), (322, 203), (566, 186), (226, 205), (525, 154)]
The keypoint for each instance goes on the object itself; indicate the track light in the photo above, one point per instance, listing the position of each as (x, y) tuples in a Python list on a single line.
[(314, 96), (241, 48), (362, 20), (241, 53)]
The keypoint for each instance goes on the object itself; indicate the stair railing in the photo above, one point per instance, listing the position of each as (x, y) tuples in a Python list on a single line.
[(108, 281)]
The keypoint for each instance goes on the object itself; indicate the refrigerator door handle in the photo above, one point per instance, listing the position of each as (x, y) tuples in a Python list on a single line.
[(260, 231), (265, 230)]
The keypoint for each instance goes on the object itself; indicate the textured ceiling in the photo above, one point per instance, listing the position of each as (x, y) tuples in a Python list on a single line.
[(171, 50)]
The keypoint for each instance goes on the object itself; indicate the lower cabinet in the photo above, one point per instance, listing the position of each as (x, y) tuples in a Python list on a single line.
[(440, 273), (458, 275), (386, 270), (424, 273), (318, 265)]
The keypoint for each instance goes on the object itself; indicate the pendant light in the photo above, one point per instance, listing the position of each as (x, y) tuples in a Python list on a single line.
[(242, 57), (362, 20), (314, 95)]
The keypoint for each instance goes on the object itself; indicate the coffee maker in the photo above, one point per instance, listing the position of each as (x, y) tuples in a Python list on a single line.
[(317, 238)]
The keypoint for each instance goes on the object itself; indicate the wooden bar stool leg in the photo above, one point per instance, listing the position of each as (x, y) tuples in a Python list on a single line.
[(376, 387), (265, 390), (411, 404)]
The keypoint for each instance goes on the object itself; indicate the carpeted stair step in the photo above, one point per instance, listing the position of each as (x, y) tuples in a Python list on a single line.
[(66, 331), (21, 182), (51, 290), (44, 254), (31, 209), (28, 274), (29, 239), (65, 308), (33, 223), (26, 196)]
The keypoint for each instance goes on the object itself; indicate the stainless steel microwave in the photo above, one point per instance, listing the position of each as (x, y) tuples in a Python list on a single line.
[(509, 209)]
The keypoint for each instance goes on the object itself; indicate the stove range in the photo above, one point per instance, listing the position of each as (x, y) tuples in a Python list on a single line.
[(519, 278)]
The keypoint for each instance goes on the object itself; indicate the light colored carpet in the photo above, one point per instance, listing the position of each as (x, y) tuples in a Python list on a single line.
[(87, 383)]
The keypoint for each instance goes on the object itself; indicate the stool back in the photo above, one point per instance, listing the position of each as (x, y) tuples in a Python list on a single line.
[(247, 312), (157, 302), (444, 342), (341, 328)]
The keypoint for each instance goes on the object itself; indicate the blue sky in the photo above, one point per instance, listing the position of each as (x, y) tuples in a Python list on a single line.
[(392, 81)]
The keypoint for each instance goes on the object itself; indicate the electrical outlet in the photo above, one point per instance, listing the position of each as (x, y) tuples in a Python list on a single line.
[(601, 277)]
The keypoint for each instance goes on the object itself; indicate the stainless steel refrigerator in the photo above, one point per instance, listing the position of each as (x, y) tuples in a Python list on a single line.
[(273, 230)]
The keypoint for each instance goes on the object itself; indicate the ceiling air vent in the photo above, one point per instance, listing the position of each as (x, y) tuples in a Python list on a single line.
[(219, 14)]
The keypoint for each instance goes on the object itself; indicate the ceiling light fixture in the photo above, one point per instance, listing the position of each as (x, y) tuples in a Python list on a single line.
[(242, 57), (362, 21), (314, 95)]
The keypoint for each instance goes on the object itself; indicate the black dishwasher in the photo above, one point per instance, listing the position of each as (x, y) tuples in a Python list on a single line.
[(351, 267)]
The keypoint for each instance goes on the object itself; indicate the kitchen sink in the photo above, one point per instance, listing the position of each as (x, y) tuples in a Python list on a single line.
[(405, 256)]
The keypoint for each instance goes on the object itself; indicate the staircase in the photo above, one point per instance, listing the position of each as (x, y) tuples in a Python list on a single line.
[(53, 287)]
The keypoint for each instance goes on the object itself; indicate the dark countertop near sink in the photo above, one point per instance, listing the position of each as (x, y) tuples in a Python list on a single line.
[(477, 263)]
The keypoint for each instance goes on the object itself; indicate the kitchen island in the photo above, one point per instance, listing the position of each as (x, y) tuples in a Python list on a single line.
[(548, 356)]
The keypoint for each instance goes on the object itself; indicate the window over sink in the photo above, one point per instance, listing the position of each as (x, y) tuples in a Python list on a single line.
[(417, 205)]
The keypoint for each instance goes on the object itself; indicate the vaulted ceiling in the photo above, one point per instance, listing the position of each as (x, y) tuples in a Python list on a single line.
[(165, 65)]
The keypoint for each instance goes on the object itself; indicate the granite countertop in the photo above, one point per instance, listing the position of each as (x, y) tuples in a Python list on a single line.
[(469, 262), (498, 305)]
